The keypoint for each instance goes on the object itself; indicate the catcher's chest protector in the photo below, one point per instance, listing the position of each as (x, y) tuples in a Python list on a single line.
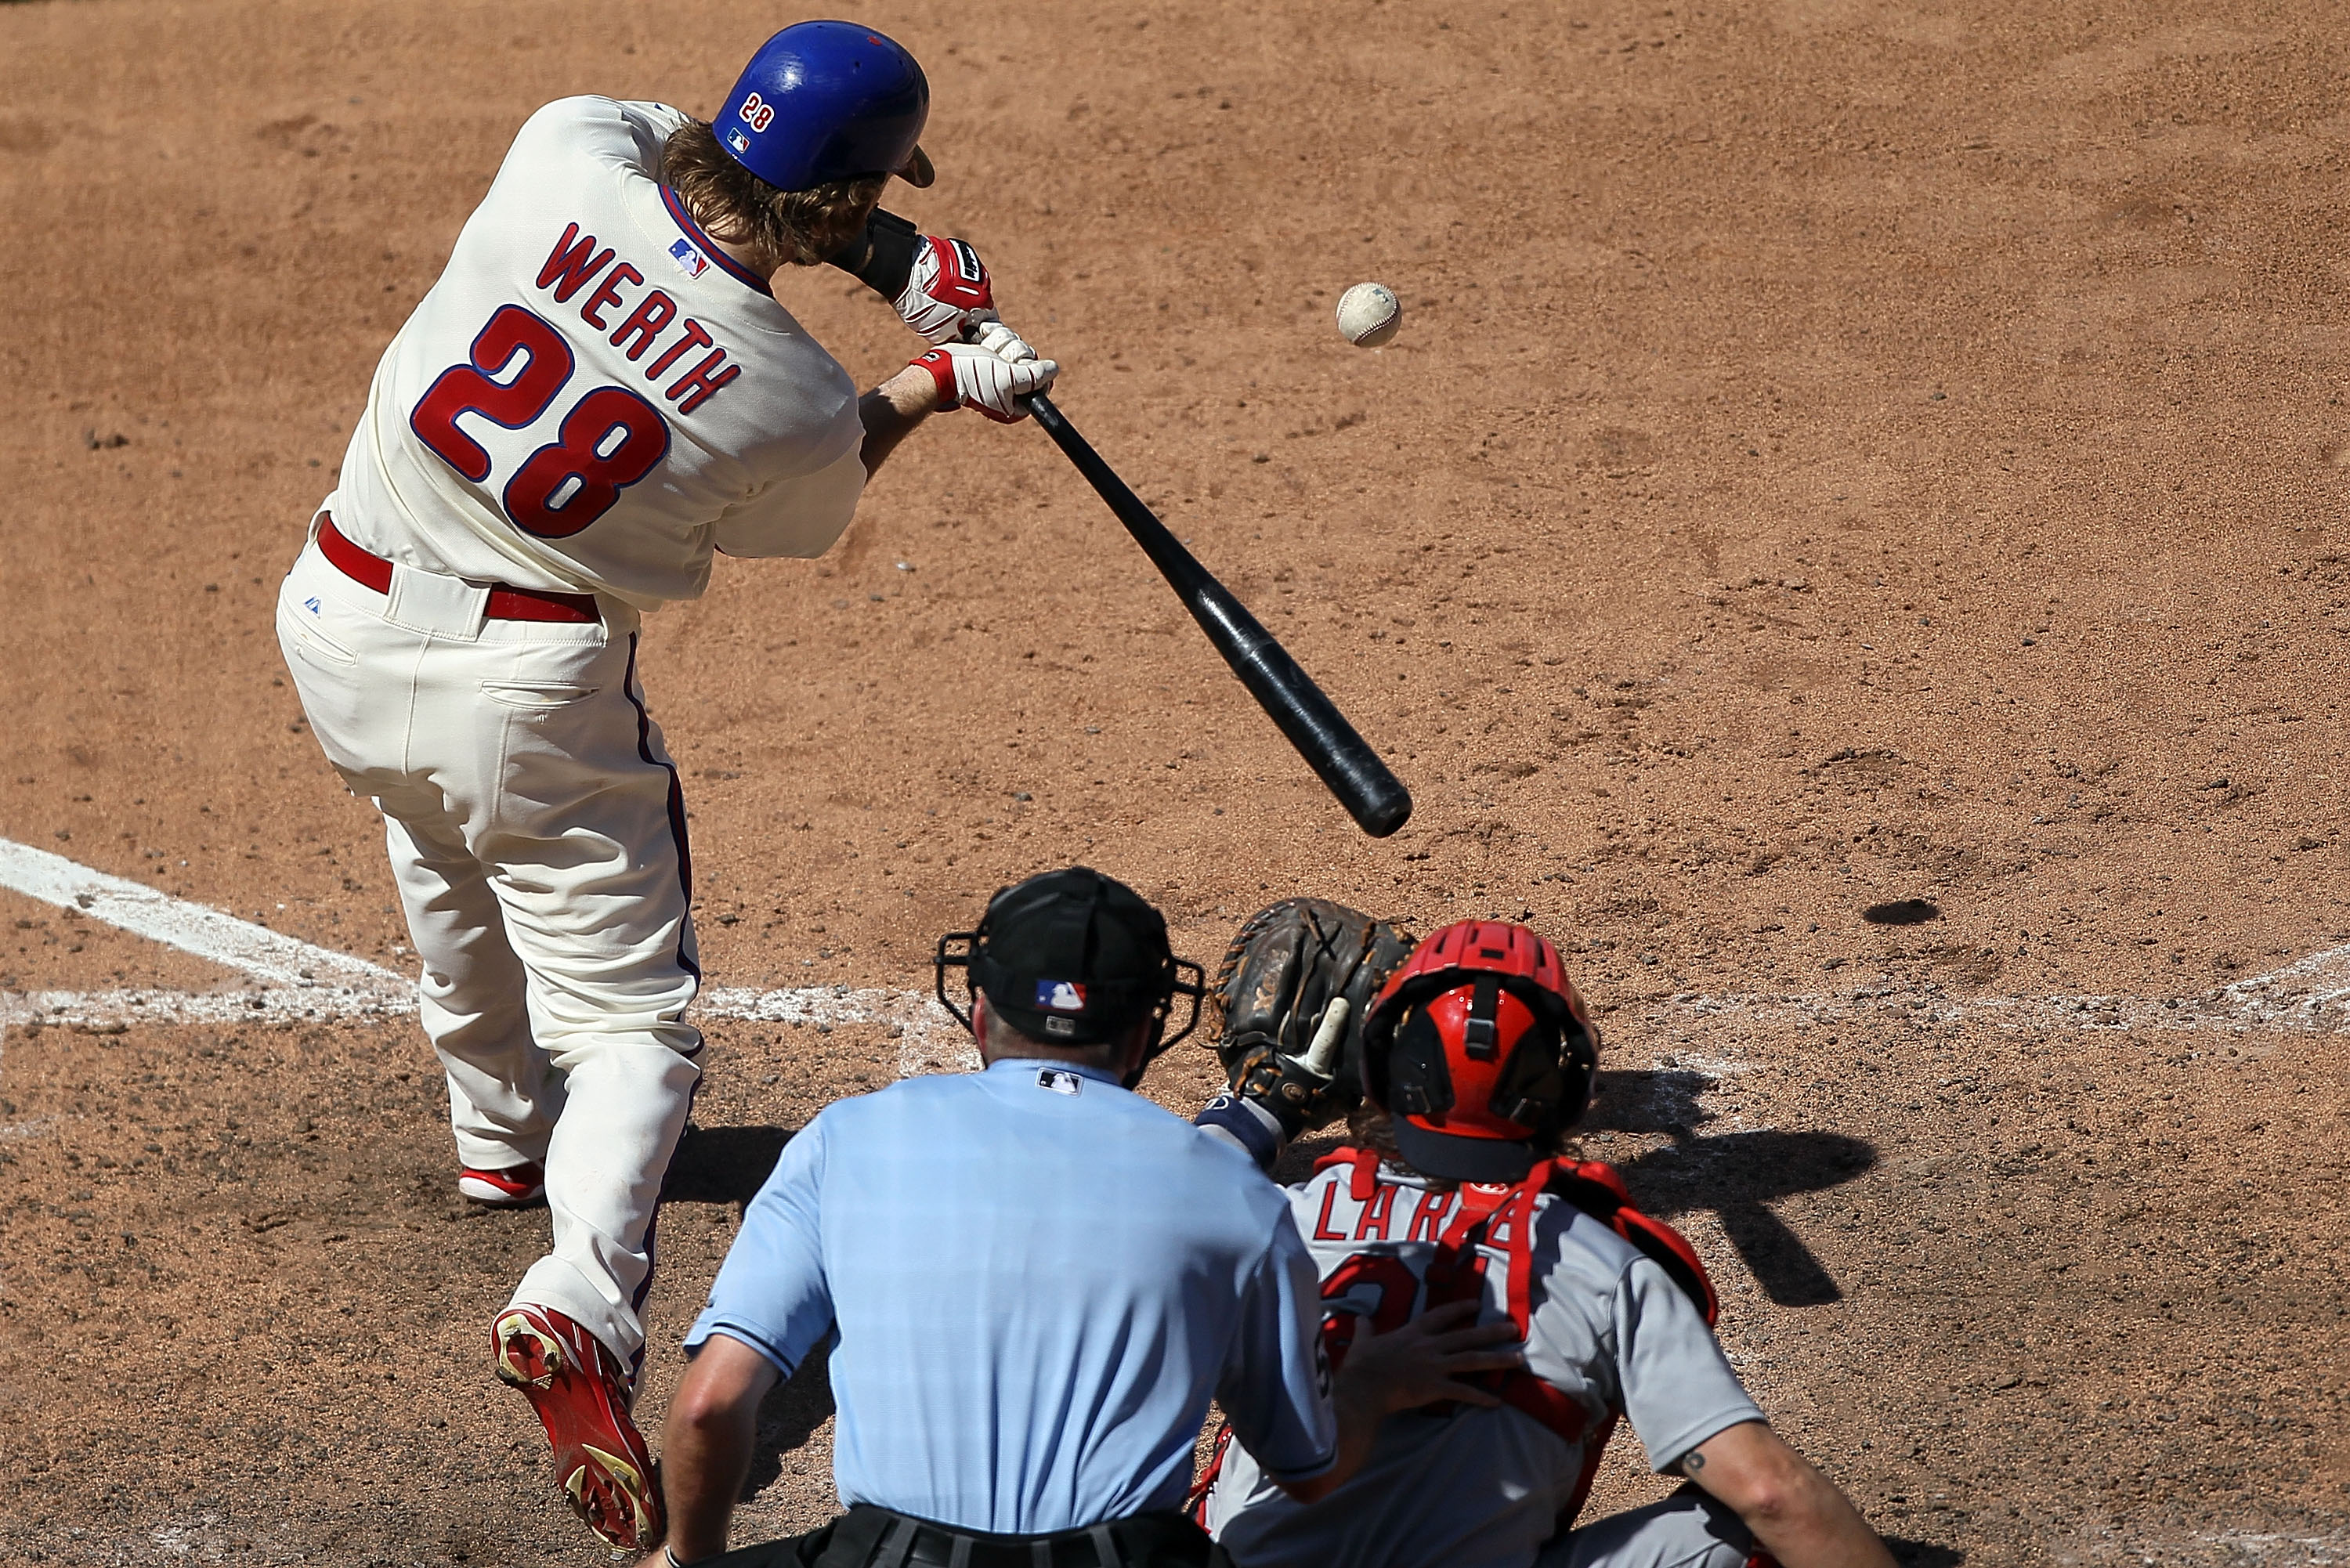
[(1457, 1225), (1591, 1185), (1458, 1271)]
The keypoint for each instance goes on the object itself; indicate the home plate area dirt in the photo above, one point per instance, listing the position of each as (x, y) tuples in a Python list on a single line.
[(1847, 541)]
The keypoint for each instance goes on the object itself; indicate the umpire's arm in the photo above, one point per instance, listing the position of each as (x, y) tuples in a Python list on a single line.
[(708, 1441), (768, 1307)]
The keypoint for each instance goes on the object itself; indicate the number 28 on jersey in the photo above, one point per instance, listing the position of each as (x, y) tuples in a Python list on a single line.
[(608, 437)]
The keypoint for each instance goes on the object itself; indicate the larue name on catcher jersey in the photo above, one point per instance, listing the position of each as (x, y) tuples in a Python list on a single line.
[(593, 395), (1474, 1488)]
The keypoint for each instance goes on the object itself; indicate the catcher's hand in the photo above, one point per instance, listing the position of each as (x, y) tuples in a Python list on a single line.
[(1292, 992)]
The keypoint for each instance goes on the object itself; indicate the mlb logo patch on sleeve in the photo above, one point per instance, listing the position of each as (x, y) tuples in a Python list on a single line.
[(690, 261), (1061, 995), (1059, 1081)]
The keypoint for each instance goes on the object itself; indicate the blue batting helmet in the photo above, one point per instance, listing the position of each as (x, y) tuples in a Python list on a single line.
[(827, 100)]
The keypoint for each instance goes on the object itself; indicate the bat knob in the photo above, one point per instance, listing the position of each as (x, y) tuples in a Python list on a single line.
[(1321, 1058)]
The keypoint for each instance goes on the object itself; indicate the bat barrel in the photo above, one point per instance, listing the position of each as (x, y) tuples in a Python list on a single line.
[(1337, 753), (1339, 756)]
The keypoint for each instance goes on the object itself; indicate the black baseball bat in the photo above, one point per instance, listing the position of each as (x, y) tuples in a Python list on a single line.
[(1345, 762)]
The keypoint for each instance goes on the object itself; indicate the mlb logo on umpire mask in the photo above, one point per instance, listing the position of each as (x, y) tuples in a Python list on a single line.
[(1061, 995), (1071, 958)]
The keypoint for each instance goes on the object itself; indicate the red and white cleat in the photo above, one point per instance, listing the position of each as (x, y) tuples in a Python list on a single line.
[(581, 1395), (512, 1187)]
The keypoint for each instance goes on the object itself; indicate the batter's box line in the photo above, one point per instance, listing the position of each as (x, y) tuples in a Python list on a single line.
[(2312, 994), (929, 1039), (301, 981), (298, 980)]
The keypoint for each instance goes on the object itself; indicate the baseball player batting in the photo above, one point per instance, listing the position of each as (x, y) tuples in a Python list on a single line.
[(600, 391)]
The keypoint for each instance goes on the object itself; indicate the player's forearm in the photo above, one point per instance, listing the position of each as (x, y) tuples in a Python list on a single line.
[(708, 1441), (703, 1463), (1794, 1511), (1813, 1527), (1248, 1126), (892, 410), (882, 256)]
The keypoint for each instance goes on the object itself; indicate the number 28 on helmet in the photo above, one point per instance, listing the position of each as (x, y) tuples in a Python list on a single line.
[(1481, 1051)]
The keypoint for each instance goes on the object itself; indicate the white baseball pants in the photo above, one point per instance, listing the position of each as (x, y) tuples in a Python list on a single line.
[(537, 836)]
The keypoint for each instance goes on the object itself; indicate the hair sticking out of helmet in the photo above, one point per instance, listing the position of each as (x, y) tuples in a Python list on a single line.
[(826, 101), (1481, 1052)]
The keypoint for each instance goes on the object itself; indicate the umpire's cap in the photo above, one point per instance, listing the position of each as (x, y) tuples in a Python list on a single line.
[(1072, 958)]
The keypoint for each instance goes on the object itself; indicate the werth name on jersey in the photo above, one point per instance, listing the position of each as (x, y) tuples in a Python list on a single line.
[(575, 263)]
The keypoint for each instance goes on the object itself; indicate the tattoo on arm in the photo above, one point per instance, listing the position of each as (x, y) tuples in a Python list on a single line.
[(1691, 1463)]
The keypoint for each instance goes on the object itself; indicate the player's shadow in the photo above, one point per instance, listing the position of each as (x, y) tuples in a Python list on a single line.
[(722, 1165), (788, 1416), (1733, 1174), (1923, 1553)]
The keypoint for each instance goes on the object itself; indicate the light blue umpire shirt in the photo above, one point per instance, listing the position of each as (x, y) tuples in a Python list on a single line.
[(1038, 1279)]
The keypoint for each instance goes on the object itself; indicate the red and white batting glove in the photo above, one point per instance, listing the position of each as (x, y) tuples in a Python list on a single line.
[(1001, 341), (948, 293), (987, 381)]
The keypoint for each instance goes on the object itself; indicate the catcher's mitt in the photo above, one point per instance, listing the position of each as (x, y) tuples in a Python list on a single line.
[(1272, 992)]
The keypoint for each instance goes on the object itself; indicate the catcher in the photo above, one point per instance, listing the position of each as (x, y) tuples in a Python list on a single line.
[(1460, 1064)]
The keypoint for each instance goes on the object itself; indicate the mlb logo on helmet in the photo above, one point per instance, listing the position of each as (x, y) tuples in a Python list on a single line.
[(690, 261), (824, 101), (1061, 995)]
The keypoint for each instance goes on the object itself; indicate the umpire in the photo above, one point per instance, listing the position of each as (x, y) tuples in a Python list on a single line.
[(1037, 1278)]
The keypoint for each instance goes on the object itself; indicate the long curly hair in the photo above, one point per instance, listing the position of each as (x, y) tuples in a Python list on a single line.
[(779, 228)]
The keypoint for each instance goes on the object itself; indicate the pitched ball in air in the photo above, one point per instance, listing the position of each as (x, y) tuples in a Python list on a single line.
[(1369, 314)]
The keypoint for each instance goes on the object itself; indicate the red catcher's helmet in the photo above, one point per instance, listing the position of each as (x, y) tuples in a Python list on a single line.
[(1478, 1047)]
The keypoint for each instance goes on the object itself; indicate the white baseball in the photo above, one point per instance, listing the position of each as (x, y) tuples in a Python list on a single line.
[(1369, 314)]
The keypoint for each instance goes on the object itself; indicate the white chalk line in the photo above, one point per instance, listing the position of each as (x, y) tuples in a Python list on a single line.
[(298, 980), (929, 1039), (256, 951), (2312, 993)]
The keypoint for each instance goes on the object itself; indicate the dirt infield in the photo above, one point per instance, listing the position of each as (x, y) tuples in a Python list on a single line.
[(1838, 452)]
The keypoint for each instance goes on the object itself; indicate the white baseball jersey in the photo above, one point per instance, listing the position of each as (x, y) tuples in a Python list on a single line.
[(1469, 1488), (593, 395)]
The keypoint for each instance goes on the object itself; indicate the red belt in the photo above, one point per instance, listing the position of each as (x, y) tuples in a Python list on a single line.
[(373, 571)]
